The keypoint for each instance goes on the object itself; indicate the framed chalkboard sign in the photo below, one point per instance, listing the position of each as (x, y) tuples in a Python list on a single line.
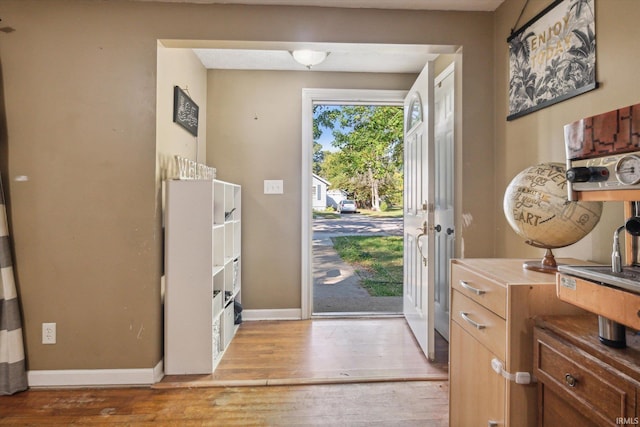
[(185, 111)]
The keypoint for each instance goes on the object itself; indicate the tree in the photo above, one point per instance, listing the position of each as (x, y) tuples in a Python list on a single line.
[(318, 157), (369, 139)]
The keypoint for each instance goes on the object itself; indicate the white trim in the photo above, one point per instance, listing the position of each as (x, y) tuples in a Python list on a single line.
[(279, 314), (158, 372), (327, 97), (445, 73), (95, 377)]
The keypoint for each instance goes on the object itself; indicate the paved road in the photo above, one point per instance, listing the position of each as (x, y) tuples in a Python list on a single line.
[(336, 286), (356, 224)]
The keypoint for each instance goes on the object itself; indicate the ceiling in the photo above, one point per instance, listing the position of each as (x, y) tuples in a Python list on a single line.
[(343, 57)]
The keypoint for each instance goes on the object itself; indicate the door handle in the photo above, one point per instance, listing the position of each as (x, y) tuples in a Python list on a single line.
[(424, 230)]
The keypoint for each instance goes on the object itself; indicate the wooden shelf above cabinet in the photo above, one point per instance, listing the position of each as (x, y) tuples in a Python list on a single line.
[(608, 196)]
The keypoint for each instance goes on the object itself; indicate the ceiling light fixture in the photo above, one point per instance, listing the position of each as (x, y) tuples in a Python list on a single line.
[(309, 58)]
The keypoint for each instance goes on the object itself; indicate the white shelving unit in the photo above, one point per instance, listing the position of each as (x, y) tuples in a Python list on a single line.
[(202, 272)]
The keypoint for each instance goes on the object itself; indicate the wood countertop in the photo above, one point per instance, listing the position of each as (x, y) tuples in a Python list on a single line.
[(511, 271)]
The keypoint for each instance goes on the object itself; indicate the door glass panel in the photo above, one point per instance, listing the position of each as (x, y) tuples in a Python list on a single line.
[(415, 112)]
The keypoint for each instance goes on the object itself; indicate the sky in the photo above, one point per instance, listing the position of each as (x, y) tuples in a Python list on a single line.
[(327, 137)]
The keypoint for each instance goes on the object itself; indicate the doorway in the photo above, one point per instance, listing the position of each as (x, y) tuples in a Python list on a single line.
[(443, 204), (311, 97), (357, 210)]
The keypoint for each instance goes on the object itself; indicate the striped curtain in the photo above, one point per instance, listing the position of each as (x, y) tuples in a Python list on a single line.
[(13, 376)]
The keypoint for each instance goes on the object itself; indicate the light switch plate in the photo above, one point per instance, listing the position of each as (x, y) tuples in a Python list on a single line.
[(273, 186)]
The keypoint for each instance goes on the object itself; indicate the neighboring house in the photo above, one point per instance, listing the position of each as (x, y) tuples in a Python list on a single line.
[(334, 197), (319, 193)]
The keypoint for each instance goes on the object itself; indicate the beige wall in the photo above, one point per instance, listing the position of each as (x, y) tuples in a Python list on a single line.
[(79, 80), (179, 67), (538, 137), (255, 134)]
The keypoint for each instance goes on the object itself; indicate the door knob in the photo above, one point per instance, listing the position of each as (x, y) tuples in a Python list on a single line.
[(449, 231), (437, 228)]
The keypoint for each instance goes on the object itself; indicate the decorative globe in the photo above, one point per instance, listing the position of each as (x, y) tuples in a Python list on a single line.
[(537, 208)]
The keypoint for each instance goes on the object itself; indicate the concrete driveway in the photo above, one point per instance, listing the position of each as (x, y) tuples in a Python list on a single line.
[(336, 286)]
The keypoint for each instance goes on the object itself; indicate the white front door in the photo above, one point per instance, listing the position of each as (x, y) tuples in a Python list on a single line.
[(419, 187), (444, 195)]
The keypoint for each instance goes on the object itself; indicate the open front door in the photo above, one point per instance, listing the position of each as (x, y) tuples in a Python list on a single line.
[(419, 171), (444, 196)]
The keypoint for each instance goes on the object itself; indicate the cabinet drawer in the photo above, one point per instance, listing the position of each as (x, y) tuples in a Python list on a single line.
[(482, 324), (583, 381), (486, 292)]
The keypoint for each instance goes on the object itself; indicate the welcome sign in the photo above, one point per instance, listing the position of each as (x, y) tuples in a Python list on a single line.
[(552, 57)]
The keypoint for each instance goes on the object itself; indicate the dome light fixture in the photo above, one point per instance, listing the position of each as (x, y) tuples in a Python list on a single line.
[(309, 58)]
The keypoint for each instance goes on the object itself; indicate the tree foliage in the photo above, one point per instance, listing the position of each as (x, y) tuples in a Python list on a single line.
[(368, 162), (318, 157)]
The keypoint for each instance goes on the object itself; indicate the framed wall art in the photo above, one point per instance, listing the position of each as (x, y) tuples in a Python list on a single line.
[(185, 111), (552, 57)]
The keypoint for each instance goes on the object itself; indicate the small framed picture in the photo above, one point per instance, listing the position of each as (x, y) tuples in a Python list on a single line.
[(185, 111)]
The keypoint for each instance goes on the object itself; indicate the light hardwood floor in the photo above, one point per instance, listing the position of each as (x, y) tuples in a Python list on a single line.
[(321, 351), (348, 372)]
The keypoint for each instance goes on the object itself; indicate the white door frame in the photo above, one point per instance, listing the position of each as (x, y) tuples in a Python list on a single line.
[(327, 97)]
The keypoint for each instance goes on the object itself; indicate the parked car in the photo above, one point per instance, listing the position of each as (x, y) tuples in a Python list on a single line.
[(346, 206)]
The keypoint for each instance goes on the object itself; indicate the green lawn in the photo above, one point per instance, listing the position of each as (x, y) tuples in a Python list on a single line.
[(391, 213), (325, 214), (377, 259)]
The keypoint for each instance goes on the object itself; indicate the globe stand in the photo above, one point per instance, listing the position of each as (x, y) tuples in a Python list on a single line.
[(546, 265)]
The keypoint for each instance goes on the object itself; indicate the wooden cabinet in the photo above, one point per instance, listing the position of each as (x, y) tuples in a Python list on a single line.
[(581, 381), (477, 393), (202, 273), (493, 302)]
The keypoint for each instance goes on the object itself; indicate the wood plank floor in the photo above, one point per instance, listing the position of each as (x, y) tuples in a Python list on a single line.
[(406, 404), (347, 372), (321, 351)]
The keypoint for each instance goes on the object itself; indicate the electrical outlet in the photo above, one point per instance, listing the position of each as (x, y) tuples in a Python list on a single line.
[(48, 333), (273, 186)]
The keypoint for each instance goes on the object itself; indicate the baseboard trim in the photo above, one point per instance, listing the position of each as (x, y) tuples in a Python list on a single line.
[(95, 377), (282, 314)]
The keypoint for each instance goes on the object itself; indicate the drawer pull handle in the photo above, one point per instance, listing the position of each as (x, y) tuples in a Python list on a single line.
[(492, 423), (475, 324), (471, 288), (570, 380)]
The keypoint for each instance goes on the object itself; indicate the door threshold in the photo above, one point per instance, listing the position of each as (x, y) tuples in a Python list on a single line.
[(356, 315)]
